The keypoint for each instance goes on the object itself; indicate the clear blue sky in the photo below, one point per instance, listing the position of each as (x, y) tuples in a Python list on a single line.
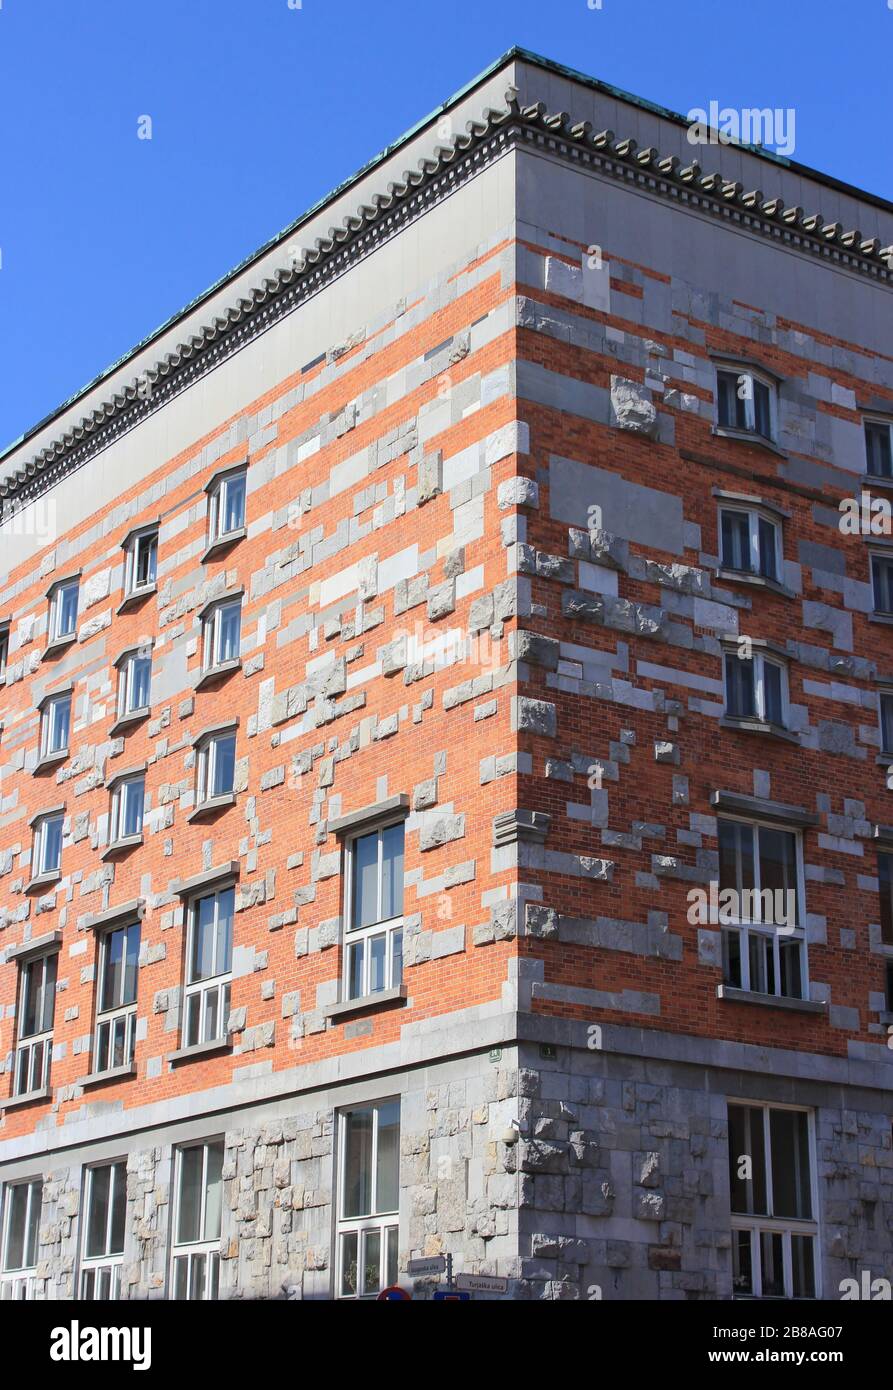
[(259, 109)]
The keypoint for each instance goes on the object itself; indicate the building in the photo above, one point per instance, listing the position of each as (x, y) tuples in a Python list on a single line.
[(418, 655)]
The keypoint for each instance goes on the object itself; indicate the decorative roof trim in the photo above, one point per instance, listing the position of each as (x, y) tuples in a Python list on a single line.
[(486, 139)]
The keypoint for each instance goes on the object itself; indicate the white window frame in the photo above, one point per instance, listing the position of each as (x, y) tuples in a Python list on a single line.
[(880, 557), (758, 660), (207, 755), (18, 1284), (34, 1051), (754, 516), (212, 629), (56, 606), (877, 422), (38, 855), (390, 928), (102, 1272), (49, 724), (374, 1223), (202, 1257), (127, 682), (219, 984), (751, 374), (117, 1019), (123, 789), (148, 539), (786, 1226), (218, 505), (747, 929)]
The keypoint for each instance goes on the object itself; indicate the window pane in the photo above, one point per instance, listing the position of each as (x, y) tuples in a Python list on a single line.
[(392, 872), (349, 1263), (17, 1197), (772, 693), (877, 447), (226, 902), (132, 797), (371, 1262), (735, 855), (365, 880), (771, 1263), (885, 887), (742, 1263), (190, 1195), (33, 1223), (355, 969), (803, 1266), (140, 682), (392, 1235), (51, 838), (736, 541), (67, 610), (761, 409), (97, 1217), (761, 957), (378, 946), (234, 504), (119, 1208), (790, 955), (740, 687), (357, 1197), (882, 575), (113, 975), (48, 1004), (214, 1198), (768, 554), (778, 872), (747, 1160), (887, 723), (230, 625), (224, 766), (731, 941), (196, 1276), (397, 957), (789, 1137), (202, 964), (146, 560), (131, 964), (181, 1275), (732, 405), (388, 1165)]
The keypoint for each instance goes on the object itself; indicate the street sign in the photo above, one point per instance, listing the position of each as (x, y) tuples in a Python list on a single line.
[(421, 1269), (393, 1291), (451, 1296), (481, 1283)]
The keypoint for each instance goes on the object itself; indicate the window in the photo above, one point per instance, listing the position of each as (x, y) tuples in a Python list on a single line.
[(750, 543), (209, 967), (106, 1210), (226, 507), (55, 726), (195, 1264), (764, 949), (885, 889), (369, 1198), (373, 958), (21, 1226), (756, 688), (126, 817), (773, 1228), (882, 583), (216, 767), (885, 704), (64, 610), (37, 1007), (116, 998), (135, 683), (141, 563), (47, 852), (745, 402), (4, 651), (889, 986), (221, 633), (878, 459)]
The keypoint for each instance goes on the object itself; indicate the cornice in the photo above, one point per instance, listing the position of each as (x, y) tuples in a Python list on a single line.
[(373, 223)]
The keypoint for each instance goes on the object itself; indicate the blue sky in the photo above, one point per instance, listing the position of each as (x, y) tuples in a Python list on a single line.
[(259, 108)]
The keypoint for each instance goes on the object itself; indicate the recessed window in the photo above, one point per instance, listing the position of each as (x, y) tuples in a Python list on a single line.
[(135, 683), (126, 815), (140, 563), (195, 1262), (47, 852), (750, 543), (885, 889), (774, 1231), (373, 956), (756, 688), (882, 583), (221, 634), (878, 454), (119, 952), (37, 1006), (764, 949), (369, 1181), (64, 610), (106, 1210), (209, 962), (21, 1227), (4, 651), (745, 402), (885, 710), (226, 507), (215, 767), (55, 726)]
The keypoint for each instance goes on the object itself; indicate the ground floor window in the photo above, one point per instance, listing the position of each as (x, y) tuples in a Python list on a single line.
[(106, 1208), (774, 1231), (195, 1263), (369, 1173), (21, 1224)]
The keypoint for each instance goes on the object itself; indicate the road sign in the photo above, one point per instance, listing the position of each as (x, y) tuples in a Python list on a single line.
[(421, 1269), (451, 1296), (393, 1291), (481, 1283)]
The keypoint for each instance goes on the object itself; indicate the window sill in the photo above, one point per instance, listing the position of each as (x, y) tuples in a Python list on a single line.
[(59, 644), (210, 808), (886, 618), (877, 480), (29, 1098), (129, 721), (772, 1001), (205, 1049), (51, 760), (758, 581), (884, 759), (748, 437), (758, 726), (385, 998), (216, 673), (96, 1078), (133, 600), (223, 543), (42, 881), (121, 847)]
